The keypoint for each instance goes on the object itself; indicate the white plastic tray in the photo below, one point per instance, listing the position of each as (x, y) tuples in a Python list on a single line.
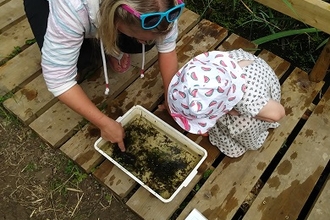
[(168, 130)]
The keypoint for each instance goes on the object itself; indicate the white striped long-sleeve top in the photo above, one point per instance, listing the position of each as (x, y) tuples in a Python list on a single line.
[(69, 22)]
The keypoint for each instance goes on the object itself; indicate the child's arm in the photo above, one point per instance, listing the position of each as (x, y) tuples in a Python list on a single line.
[(273, 111)]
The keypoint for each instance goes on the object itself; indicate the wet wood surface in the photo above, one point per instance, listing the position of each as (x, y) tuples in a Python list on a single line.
[(322, 64), (286, 179), (321, 208)]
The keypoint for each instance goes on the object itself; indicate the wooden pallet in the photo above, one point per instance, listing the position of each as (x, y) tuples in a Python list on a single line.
[(287, 178)]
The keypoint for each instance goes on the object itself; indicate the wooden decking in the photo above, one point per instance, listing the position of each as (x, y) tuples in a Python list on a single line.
[(286, 179)]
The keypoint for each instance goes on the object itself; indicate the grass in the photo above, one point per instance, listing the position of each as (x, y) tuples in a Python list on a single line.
[(7, 116), (16, 51), (75, 177), (78, 175), (282, 34), (30, 167), (286, 37)]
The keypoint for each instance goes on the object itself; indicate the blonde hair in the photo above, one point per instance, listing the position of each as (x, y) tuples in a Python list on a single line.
[(111, 14)]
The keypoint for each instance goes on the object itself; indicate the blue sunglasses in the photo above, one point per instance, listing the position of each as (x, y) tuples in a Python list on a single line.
[(152, 20)]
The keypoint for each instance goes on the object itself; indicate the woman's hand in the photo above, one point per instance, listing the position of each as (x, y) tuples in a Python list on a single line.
[(76, 99), (113, 131)]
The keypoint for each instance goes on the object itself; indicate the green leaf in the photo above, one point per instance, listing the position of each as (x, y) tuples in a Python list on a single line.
[(291, 7), (278, 35)]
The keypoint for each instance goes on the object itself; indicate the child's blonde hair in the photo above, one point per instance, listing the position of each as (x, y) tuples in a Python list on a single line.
[(111, 13)]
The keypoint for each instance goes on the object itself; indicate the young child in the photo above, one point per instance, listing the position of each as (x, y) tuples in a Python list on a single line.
[(233, 96), (63, 30)]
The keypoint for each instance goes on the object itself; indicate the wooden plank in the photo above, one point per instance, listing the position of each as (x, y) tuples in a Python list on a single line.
[(80, 148), (21, 68), (31, 101), (13, 37), (11, 12), (291, 183), (304, 10), (232, 180), (321, 210), (279, 65), (2, 2), (115, 179), (322, 64), (234, 42), (53, 129), (148, 202)]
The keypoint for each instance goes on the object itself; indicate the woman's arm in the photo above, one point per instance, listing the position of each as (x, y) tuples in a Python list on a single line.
[(168, 65), (76, 99), (60, 53), (272, 112)]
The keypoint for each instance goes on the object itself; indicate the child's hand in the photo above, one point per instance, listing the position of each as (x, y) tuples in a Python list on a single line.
[(233, 112), (161, 107)]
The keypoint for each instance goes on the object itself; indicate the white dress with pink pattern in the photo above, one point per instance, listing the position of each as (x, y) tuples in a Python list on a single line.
[(234, 135)]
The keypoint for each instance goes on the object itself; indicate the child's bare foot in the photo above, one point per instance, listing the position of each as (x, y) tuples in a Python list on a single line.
[(120, 66)]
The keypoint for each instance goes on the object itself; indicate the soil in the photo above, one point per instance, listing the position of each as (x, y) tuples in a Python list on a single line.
[(39, 182)]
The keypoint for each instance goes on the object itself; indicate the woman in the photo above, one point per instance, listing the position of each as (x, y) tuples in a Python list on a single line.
[(64, 29)]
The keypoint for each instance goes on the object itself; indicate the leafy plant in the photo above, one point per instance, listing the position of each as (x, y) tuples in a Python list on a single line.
[(78, 175), (30, 41), (15, 51), (9, 117), (207, 173), (278, 35), (30, 167)]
